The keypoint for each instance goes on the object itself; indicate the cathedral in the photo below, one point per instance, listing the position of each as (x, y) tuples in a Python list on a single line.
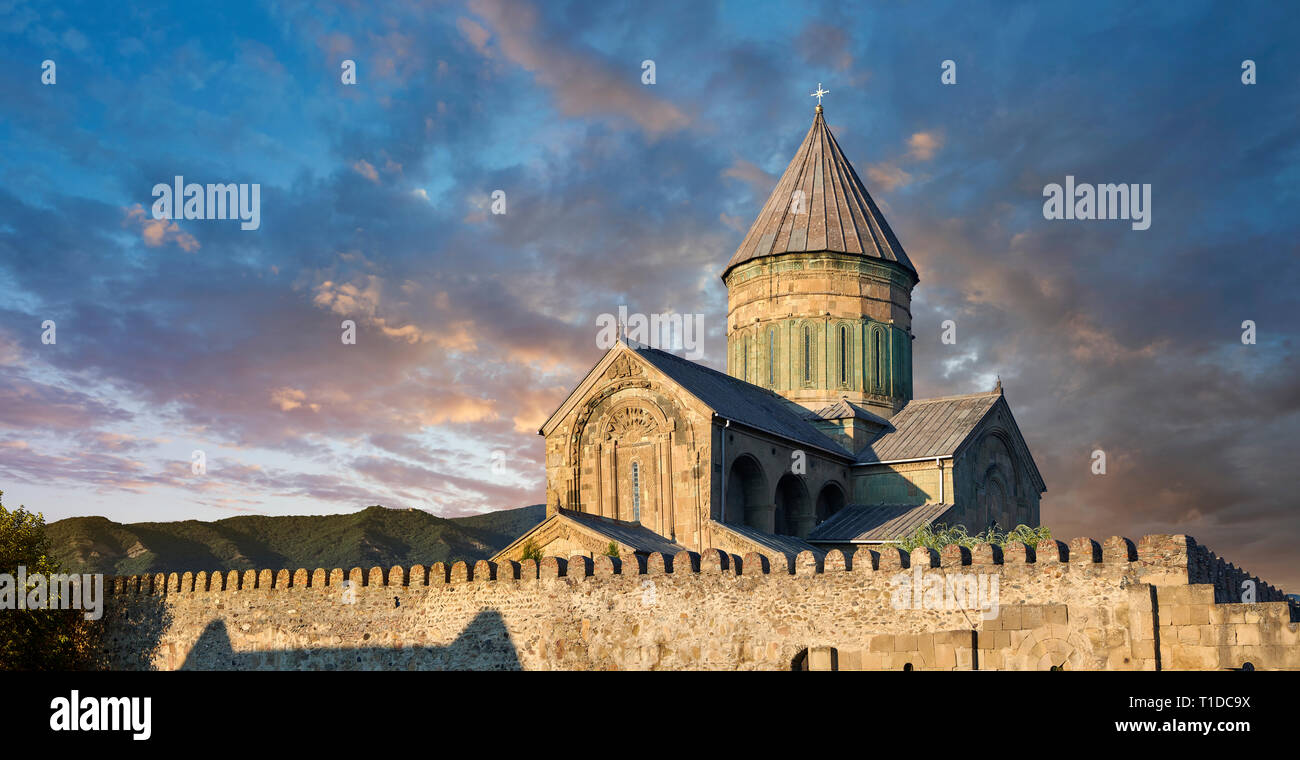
[(811, 440)]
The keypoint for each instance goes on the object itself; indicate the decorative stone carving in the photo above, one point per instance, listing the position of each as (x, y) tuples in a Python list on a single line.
[(630, 424), (623, 366)]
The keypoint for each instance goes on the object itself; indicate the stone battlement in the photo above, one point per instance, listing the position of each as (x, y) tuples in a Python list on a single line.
[(1164, 602), (1160, 559)]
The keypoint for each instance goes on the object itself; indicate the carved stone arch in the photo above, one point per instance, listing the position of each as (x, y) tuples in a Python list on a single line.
[(621, 427), (1000, 487), (997, 505), (621, 378), (634, 416), (1043, 650)]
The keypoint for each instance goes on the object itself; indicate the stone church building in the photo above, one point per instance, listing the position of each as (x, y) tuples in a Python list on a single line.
[(811, 440)]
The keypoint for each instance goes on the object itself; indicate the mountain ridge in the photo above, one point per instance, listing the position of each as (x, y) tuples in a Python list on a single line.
[(373, 536)]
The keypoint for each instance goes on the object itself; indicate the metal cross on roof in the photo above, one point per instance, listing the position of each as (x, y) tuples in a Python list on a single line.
[(820, 92)]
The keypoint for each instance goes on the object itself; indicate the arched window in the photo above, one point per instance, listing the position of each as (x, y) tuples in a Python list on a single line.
[(771, 358), (636, 492), (807, 353), (844, 355), (880, 360)]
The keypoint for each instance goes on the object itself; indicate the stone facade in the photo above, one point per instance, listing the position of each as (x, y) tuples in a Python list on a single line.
[(818, 327), (764, 492), (819, 359), (992, 479), (628, 417), (1109, 606)]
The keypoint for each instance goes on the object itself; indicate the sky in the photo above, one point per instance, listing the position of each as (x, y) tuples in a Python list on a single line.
[(376, 205)]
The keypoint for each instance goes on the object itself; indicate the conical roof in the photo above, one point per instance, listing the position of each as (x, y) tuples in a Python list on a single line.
[(820, 205)]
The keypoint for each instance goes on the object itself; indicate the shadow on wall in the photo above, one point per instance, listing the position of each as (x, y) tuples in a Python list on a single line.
[(131, 631), (485, 644)]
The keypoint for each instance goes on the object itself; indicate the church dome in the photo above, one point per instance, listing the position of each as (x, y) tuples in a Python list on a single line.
[(819, 294), (820, 205)]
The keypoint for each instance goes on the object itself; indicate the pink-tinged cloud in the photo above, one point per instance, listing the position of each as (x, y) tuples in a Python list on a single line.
[(156, 232), (475, 35), (584, 83), (456, 489), (759, 180), (923, 146), (888, 177), (361, 303), (365, 169), (27, 404)]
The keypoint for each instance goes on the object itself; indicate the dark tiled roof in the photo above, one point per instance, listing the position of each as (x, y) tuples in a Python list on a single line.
[(740, 401), (844, 409), (790, 546), (836, 212), (637, 536), (933, 427), (876, 522)]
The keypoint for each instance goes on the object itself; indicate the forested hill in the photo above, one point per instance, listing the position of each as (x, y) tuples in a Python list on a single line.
[(375, 536)]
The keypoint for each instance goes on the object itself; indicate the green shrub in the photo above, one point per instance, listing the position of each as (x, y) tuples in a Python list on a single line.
[(531, 551), (938, 536), (611, 550)]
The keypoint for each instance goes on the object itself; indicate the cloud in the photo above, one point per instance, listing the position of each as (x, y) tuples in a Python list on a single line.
[(288, 399), (156, 232), (584, 83), (623, 193), (365, 169), (28, 404), (759, 180), (922, 146), (475, 34), (888, 177), (826, 45), (362, 302)]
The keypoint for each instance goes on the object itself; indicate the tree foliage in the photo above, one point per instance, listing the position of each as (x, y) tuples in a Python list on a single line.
[(38, 639)]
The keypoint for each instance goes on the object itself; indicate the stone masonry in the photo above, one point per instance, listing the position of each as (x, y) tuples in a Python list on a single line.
[(1159, 604)]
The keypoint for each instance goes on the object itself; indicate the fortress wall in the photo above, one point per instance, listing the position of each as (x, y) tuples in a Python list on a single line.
[(1109, 605), (1227, 579), (1196, 632)]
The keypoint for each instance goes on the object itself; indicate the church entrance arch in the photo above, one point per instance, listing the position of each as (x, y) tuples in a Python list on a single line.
[(794, 510), (747, 502)]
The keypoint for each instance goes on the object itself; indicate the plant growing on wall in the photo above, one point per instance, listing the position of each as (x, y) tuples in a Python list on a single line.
[(531, 551), (938, 536), (611, 550)]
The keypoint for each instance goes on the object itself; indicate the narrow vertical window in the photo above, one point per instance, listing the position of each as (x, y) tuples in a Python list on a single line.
[(744, 362), (844, 355), (636, 492), (771, 358), (880, 362), (807, 354)]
